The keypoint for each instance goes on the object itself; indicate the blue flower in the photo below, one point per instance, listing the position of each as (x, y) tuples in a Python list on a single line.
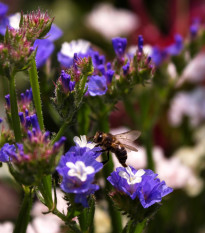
[(45, 48), (97, 85), (1, 120), (126, 68), (78, 168), (176, 48), (6, 152), (158, 55), (194, 28), (66, 55), (119, 44), (67, 84), (97, 59), (140, 43), (141, 184), (3, 10)]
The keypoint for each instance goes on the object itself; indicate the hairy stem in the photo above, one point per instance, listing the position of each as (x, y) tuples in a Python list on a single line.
[(14, 109), (24, 214), (33, 74)]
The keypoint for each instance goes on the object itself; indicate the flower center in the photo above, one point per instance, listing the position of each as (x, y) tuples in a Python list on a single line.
[(79, 170), (131, 177)]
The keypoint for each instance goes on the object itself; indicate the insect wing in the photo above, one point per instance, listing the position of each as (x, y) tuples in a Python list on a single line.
[(128, 145), (131, 136)]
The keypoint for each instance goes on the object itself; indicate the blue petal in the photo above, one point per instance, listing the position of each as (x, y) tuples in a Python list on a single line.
[(44, 50)]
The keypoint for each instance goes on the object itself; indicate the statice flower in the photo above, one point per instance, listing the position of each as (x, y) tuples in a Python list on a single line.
[(119, 44), (35, 156), (78, 168), (5, 152), (97, 85), (118, 21), (176, 48), (194, 28), (158, 55), (44, 46), (139, 184), (66, 54), (25, 104), (3, 18), (190, 104)]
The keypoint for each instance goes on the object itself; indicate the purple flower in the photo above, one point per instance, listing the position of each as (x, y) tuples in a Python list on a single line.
[(176, 48), (44, 49), (3, 19), (67, 84), (140, 43), (98, 59), (141, 184), (3, 10), (1, 120), (78, 168), (158, 55), (119, 44), (97, 85), (109, 75), (66, 55), (126, 68), (54, 34), (6, 152), (194, 28)]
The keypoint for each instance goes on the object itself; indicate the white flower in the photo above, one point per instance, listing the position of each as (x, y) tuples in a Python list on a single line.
[(14, 20), (189, 104), (6, 227), (79, 170), (75, 46), (194, 71), (131, 177), (111, 22), (82, 142)]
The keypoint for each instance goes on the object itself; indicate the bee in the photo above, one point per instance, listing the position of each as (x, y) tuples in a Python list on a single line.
[(118, 144)]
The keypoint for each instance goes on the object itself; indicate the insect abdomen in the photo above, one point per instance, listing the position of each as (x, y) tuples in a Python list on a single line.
[(121, 154)]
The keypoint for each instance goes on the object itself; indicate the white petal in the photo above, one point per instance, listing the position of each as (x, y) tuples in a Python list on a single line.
[(124, 175), (77, 140), (83, 177), (129, 171), (72, 172), (89, 170), (135, 181), (80, 165), (70, 165), (140, 172)]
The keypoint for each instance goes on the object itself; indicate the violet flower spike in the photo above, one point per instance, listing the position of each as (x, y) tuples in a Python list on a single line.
[(119, 44)]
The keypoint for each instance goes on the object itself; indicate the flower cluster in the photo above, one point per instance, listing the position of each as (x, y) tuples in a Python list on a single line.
[(141, 184), (78, 168), (34, 157), (160, 55), (25, 108), (18, 47), (35, 25)]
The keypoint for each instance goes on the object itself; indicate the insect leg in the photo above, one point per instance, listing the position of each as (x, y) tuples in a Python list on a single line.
[(108, 156)]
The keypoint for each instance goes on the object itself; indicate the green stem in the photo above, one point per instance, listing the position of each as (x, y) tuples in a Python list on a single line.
[(108, 168), (24, 214), (148, 142), (14, 109), (60, 132), (140, 227), (36, 92), (45, 187)]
